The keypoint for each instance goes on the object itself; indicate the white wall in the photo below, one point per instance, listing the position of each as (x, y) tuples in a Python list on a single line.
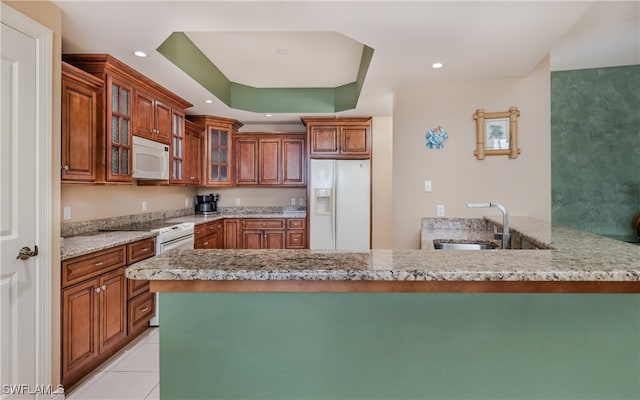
[(523, 185)]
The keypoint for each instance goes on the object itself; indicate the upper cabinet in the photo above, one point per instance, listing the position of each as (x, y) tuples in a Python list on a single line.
[(129, 103), (152, 117), (338, 138), (186, 153), (80, 94), (264, 159), (217, 153)]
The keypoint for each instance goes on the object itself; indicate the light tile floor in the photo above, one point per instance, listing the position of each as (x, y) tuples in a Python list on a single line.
[(132, 373)]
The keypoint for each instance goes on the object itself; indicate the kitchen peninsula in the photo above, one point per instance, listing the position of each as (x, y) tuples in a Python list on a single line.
[(402, 324)]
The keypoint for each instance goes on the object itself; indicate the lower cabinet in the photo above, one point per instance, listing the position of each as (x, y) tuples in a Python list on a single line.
[(209, 235), (263, 233), (102, 310), (251, 233)]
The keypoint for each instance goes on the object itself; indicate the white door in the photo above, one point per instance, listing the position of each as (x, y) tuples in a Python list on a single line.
[(353, 205), (22, 286)]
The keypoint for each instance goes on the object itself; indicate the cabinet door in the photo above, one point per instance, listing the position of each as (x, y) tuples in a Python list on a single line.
[(355, 141), (324, 140), (218, 158), (273, 240), (163, 122), (269, 162), (178, 149), (293, 162), (119, 160), (144, 120), (113, 307), (193, 153), (79, 129), (246, 153), (79, 326), (232, 238), (252, 239)]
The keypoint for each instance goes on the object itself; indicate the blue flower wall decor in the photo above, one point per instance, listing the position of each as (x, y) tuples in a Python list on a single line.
[(436, 137)]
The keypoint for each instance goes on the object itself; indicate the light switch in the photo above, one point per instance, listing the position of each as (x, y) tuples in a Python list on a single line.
[(427, 186), (144, 205), (301, 201), (440, 210), (237, 201), (67, 212), (293, 201)]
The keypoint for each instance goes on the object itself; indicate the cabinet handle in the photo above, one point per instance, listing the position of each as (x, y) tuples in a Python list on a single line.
[(98, 289), (145, 249), (99, 263), (145, 309)]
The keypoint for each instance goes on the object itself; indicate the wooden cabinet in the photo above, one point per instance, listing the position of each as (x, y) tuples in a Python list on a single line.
[(152, 117), (191, 162), (101, 309), (264, 159), (80, 94), (129, 103), (209, 235), (232, 233), (296, 237), (266, 233), (217, 152), (339, 138)]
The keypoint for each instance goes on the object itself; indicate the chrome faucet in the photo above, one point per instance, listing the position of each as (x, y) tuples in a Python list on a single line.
[(506, 237)]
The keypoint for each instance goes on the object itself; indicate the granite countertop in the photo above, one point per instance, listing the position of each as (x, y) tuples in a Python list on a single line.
[(95, 240), (577, 256), (201, 219)]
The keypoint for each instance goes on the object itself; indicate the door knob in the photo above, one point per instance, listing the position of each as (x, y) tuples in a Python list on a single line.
[(25, 253)]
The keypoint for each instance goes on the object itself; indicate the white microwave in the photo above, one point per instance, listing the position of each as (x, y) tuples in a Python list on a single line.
[(150, 159)]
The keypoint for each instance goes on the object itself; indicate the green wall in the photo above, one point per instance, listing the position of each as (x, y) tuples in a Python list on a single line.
[(395, 346), (595, 149)]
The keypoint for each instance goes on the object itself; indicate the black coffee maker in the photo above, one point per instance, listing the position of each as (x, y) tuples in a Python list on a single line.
[(207, 204)]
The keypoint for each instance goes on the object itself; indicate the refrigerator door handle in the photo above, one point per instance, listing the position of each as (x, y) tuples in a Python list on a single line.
[(334, 214)]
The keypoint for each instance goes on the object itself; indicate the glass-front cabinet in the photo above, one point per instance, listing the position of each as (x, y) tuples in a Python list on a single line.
[(178, 148), (217, 160), (119, 152)]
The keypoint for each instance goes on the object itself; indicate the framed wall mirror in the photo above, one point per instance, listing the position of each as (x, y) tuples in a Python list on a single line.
[(497, 133)]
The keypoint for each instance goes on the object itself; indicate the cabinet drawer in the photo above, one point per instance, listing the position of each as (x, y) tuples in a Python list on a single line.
[(140, 250), (136, 287), (141, 309), (198, 230), (274, 223), (295, 223), (80, 268), (211, 227), (296, 240)]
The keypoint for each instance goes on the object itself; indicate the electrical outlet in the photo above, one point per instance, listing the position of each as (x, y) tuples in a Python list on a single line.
[(427, 186), (293, 201), (301, 201), (144, 205), (237, 201), (67, 212), (440, 210)]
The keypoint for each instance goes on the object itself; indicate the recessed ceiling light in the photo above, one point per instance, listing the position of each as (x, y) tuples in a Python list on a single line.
[(140, 54), (268, 115), (282, 51), (436, 65), (208, 101)]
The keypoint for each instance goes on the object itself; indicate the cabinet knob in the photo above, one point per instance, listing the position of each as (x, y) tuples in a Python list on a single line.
[(65, 167), (104, 287), (98, 289)]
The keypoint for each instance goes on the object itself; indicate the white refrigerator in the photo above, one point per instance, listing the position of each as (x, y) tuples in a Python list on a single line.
[(340, 205)]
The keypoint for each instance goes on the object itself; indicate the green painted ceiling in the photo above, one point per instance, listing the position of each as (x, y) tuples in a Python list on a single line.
[(181, 51)]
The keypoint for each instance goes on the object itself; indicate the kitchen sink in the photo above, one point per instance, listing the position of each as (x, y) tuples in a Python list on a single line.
[(464, 245)]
